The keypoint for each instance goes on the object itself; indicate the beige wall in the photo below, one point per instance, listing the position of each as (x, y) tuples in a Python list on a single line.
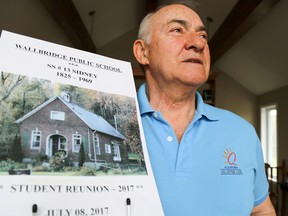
[(280, 97), (232, 96)]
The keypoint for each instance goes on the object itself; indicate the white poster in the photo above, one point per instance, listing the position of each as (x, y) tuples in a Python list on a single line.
[(71, 140)]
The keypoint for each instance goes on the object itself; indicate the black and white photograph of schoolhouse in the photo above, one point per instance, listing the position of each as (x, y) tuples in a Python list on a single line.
[(50, 128)]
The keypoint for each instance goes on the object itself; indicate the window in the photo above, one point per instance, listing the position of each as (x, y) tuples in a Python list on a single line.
[(57, 115), (35, 139), (269, 134), (97, 145), (107, 148), (76, 139), (116, 151), (62, 144)]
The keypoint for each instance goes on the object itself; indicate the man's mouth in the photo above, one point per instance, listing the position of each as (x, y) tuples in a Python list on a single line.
[(194, 60)]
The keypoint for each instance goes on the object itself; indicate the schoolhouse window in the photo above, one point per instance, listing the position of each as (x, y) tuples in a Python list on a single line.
[(62, 144), (107, 149), (116, 151), (35, 139), (57, 115), (97, 145), (76, 139)]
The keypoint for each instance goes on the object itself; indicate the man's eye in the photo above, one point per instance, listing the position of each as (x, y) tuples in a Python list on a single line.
[(204, 36), (176, 30)]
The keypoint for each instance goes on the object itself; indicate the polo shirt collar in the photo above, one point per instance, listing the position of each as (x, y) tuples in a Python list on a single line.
[(205, 109), (202, 108), (144, 104)]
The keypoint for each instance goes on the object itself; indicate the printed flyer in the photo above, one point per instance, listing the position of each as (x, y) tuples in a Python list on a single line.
[(71, 140)]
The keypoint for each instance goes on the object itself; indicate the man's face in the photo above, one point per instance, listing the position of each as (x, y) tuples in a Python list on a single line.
[(178, 52)]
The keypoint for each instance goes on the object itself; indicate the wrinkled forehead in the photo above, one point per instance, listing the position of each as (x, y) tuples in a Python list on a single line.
[(175, 11)]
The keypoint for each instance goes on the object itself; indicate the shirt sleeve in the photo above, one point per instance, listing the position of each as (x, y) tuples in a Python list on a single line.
[(261, 187)]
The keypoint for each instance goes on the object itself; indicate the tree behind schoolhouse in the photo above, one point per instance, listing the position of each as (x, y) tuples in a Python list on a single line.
[(16, 150)]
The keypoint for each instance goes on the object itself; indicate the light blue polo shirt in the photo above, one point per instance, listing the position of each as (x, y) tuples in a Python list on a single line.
[(217, 169)]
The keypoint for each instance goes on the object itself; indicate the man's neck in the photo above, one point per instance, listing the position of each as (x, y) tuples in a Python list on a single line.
[(177, 107)]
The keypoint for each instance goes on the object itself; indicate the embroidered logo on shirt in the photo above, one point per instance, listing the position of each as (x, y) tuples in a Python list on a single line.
[(231, 166)]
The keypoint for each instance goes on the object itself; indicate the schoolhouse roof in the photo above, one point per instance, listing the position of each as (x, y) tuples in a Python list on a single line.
[(92, 120)]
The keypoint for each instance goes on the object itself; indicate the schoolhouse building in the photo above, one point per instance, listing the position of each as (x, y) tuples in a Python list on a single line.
[(61, 125)]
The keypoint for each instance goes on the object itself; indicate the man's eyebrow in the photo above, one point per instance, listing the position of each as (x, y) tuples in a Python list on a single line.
[(179, 21), (185, 24), (202, 28)]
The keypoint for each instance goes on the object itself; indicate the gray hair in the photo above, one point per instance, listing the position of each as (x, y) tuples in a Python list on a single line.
[(144, 32)]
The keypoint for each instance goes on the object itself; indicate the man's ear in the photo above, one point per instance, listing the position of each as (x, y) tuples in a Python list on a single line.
[(139, 50)]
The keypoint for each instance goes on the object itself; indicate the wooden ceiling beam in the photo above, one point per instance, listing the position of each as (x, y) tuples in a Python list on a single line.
[(67, 16), (243, 17)]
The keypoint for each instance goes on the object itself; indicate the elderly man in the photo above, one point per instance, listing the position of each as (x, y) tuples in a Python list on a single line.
[(206, 161)]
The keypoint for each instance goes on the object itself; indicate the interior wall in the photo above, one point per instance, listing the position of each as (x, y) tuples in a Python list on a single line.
[(121, 48), (280, 97), (232, 96), (18, 20)]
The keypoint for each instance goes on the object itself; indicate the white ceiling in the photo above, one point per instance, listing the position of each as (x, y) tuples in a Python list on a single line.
[(256, 61), (259, 60), (112, 17)]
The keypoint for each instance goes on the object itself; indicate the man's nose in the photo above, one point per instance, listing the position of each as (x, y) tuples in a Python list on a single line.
[(195, 42)]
